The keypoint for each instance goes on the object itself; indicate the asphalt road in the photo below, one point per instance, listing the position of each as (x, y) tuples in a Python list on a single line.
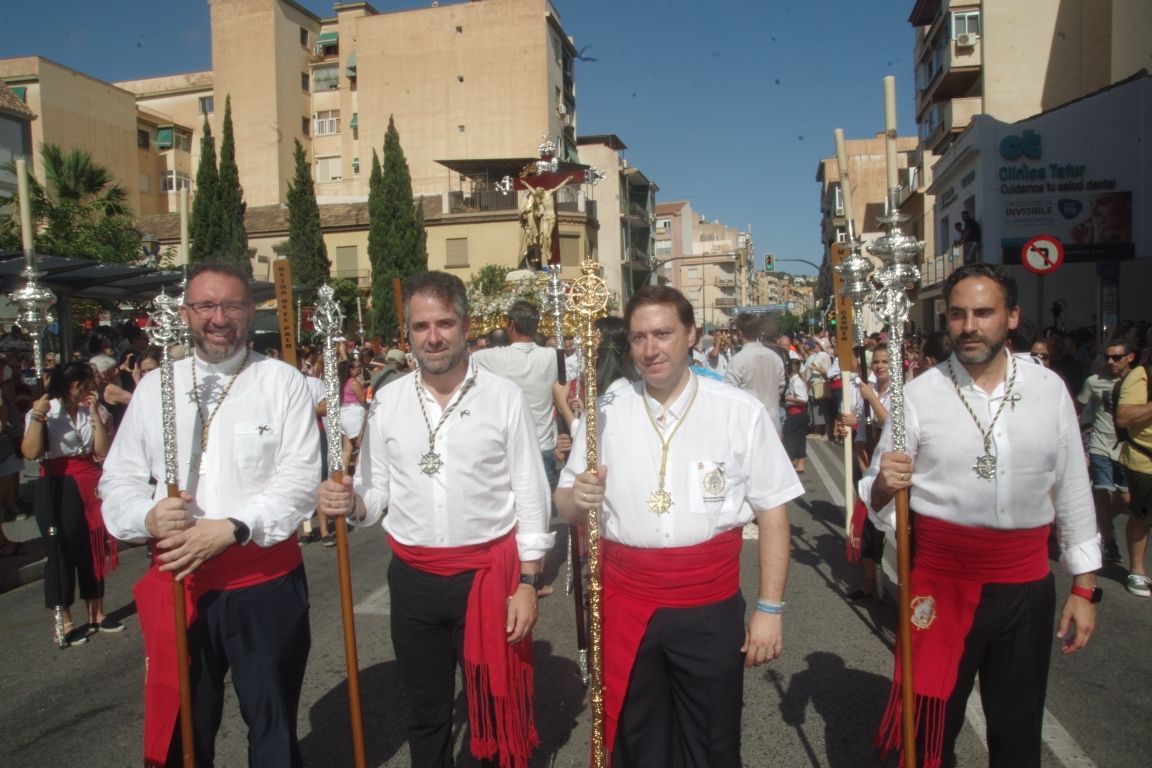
[(818, 705)]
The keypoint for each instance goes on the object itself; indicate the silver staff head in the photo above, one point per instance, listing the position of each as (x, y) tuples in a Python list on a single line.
[(329, 320)]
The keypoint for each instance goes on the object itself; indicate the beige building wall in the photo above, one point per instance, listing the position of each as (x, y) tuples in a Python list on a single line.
[(1131, 33), (607, 195), (79, 112)]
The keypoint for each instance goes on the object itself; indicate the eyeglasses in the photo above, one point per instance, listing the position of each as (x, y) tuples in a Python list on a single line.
[(1117, 358), (1039, 355), (208, 308)]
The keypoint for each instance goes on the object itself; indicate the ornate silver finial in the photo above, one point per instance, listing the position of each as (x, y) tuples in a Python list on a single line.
[(329, 322), (165, 329), (505, 185), (547, 162), (35, 302)]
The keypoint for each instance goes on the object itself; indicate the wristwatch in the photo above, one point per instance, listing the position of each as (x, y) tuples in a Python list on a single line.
[(534, 580), (240, 531), (1091, 594)]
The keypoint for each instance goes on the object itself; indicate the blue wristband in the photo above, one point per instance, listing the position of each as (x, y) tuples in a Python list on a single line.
[(770, 607)]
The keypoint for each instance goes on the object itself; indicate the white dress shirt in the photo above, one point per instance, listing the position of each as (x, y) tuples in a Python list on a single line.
[(725, 430), (66, 437), (262, 457), (492, 479), (1040, 471), (534, 369)]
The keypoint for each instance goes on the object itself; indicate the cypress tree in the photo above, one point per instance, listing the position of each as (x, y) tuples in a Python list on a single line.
[(204, 225), (306, 250), (234, 237), (400, 250)]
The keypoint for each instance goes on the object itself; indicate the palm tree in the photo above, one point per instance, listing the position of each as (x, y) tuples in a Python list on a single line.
[(81, 210)]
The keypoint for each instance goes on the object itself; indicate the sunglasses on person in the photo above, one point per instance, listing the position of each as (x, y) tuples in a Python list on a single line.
[(1117, 358)]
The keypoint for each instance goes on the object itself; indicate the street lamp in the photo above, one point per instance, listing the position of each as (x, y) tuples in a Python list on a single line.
[(150, 245)]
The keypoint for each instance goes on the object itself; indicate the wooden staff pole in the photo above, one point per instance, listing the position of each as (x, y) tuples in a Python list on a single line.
[(844, 333), (904, 572), (329, 322), (398, 301)]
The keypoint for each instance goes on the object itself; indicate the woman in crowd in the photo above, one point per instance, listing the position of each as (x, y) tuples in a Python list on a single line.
[(796, 417), (72, 433), (352, 406)]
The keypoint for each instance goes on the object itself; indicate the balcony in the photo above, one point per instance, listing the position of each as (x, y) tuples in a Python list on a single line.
[(724, 301), (361, 277), (947, 70), (724, 282), (947, 119)]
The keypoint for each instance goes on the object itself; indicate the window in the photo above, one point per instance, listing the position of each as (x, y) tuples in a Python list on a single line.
[(663, 249), (327, 169), (346, 263), (838, 200), (456, 252), (355, 166), (326, 123), (207, 105), (663, 226), (305, 125), (303, 37), (143, 138), (325, 79), (305, 81), (182, 141), (965, 23), (176, 181), (145, 183)]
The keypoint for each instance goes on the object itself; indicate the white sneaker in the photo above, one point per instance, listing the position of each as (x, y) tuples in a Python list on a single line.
[(1138, 584)]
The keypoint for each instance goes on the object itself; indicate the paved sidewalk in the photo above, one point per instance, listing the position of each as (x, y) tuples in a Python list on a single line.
[(28, 566)]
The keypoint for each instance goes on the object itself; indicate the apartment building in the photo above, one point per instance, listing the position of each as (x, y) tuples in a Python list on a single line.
[(1010, 60), (15, 134), (472, 87), (712, 264)]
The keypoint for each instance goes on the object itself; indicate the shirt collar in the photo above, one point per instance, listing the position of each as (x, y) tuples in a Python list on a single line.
[(665, 414), (226, 367), (965, 381)]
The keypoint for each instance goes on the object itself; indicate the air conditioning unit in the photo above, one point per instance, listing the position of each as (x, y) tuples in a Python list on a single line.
[(561, 110), (966, 41)]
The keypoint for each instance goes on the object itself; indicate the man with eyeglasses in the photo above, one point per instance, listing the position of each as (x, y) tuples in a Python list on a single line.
[(1134, 414), (247, 460), (1109, 478)]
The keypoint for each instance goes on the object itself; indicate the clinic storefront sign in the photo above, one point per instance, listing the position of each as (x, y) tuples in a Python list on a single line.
[(1064, 192)]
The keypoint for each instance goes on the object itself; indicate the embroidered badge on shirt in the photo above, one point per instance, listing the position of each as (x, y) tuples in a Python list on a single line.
[(714, 480), (923, 611)]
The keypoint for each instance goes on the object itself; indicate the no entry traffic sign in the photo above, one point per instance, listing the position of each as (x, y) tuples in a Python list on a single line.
[(1042, 254)]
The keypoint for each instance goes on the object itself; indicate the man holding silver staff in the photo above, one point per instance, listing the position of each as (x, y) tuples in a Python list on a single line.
[(248, 458), (687, 462), (994, 458), (451, 455)]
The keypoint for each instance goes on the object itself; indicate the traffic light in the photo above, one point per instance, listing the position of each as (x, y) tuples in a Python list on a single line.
[(769, 262)]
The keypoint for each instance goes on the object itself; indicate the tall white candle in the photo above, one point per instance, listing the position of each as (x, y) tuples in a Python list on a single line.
[(890, 129), (845, 179), (359, 313), (25, 203)]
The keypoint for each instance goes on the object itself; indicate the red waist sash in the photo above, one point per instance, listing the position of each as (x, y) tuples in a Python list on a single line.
[(951, 566), (639, 581), (498, 675), (85, 472), (234, 568)]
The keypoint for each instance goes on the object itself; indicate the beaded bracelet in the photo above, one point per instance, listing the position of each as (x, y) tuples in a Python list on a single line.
[(770, 607)]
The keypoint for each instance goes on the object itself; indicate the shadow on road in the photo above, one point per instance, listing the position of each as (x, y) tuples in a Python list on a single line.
[(849, 704), (330, 740)]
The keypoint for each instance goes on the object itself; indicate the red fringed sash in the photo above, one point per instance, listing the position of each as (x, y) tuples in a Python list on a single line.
[(639, 581), (85, 472), (855, 540), (951, 567), (234, 568), (498, 675)]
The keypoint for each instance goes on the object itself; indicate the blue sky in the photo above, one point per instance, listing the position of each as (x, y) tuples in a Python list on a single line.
[(726, 103)]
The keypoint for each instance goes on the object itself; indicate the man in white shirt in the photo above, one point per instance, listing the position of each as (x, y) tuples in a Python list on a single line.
[(573, 365), (687, 463), (993, 459), (451, 455), (534, 369), (757, 368), (248, 460)]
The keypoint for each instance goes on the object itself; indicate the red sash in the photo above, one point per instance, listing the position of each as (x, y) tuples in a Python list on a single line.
[(639, 581), (234, 568), (498, 675), (952, 564), (85, 472), (855, 538)]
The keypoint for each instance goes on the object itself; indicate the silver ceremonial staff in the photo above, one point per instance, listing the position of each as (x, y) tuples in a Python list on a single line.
[(329, 322), (165, 330), (899, 252)]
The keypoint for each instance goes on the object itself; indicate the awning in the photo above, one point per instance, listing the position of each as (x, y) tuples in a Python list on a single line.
[(350, 64), (20, 91), (164, 138), (355, 122), (328, 38)]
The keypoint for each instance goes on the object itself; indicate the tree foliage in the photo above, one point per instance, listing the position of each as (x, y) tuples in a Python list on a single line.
[(306, 251), (397, 244), (205, 228), (79, 212), (234, 237)]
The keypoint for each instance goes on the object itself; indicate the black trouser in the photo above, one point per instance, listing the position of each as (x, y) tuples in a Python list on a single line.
[(794, 435), (70, 561), (261, 635), (1010, 644), (428, 614), (686, 690)]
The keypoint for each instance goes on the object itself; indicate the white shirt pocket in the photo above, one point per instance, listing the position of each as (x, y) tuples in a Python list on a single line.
[(255, 444), (713, 488)]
